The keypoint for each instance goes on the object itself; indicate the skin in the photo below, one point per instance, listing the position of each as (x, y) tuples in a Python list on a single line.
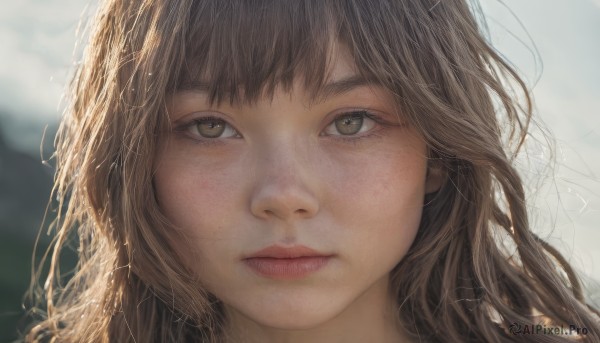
[(284, 174)]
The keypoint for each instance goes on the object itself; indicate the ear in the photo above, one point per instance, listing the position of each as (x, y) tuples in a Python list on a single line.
[(435, 176)]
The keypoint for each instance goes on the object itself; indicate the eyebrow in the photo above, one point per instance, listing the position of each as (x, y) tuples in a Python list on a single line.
[(332, 89), (194, 86), (344, 85)]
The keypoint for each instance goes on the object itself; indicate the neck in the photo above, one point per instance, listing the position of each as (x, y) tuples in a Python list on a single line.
[(369, 318)]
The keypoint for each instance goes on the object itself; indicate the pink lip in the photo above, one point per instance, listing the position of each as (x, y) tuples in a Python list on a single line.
[(283, 263)]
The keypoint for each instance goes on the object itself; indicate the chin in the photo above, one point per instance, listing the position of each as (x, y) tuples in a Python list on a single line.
[(294, 316), (293, 322)]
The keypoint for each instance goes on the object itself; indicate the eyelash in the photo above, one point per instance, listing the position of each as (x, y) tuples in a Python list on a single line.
[(183, 129), (353, 139), (358, 138)]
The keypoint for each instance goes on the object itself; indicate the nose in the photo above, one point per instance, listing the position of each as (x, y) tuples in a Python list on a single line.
[(285, 187)]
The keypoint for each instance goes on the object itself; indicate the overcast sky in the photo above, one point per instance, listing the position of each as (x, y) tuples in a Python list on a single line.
[(37, 39), (565, 77)]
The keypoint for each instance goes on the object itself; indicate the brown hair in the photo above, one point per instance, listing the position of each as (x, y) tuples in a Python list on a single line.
[(461, 281)]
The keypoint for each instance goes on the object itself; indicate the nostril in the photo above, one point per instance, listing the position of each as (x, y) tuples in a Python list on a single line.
[(301, 211)]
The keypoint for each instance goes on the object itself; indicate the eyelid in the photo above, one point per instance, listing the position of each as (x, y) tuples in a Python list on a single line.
[(365, 113), (203, 117)]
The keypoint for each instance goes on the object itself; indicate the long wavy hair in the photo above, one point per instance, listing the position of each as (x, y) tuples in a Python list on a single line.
[(475, 267)]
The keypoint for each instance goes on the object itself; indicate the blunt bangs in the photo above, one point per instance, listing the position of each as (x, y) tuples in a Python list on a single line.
[(242, 50)]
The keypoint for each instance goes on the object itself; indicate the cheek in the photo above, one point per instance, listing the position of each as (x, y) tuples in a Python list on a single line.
[(381, 202), (193, 197), (197, 202), (382, 185)]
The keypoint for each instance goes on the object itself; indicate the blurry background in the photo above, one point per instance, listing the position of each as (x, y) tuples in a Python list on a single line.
[(554, 44)]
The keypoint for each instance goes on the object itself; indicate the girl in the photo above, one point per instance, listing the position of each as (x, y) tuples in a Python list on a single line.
[(299, 171)]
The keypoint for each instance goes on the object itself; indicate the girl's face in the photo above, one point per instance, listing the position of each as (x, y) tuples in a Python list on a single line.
[(332, 188)]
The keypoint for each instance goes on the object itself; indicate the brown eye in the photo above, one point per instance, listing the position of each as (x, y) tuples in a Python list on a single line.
[(349, 124)]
